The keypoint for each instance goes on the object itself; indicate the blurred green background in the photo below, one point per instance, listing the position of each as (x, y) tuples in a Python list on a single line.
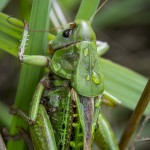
[(124, 24)]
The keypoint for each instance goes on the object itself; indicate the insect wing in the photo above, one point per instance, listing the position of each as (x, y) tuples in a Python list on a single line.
[(87, 79)]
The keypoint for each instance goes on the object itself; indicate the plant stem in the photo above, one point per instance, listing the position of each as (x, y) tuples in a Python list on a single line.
[(30, 75), (136, 117)]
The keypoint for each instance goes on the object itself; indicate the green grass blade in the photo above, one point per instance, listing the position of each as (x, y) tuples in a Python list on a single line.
[(24, 9), (30, 75), (87, 9), (10, 35), (5, 118), (3, 3), (123, 83)]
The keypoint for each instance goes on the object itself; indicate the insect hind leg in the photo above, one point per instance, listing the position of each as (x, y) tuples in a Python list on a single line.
[(21, 114)]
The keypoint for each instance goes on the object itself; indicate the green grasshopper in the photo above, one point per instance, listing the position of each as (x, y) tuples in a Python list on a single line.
[(65, 110)]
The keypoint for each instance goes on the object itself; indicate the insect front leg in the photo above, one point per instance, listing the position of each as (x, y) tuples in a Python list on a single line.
[(35, 60), (30, 59)]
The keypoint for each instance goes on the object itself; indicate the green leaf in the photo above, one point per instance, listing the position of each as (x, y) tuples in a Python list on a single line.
[(123, 83), (116, 13), (30, 75), (87, 9)]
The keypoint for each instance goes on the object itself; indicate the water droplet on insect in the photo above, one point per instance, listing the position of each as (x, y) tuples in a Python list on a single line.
[(88, 77), (57, 67), (96, 79), (85, 51)]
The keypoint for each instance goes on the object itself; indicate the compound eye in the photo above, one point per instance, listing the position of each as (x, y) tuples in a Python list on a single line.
[(67, 33)]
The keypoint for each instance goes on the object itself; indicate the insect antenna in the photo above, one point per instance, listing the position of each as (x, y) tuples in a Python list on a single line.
[(34, 30), (91, 19), (31, 30), (52, 29)]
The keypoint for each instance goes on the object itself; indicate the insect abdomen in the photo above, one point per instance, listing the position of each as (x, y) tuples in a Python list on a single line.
[(65, 120)]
